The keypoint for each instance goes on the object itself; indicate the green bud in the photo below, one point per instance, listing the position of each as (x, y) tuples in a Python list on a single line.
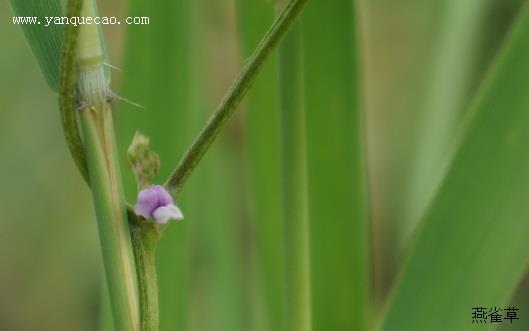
[(143, 162)]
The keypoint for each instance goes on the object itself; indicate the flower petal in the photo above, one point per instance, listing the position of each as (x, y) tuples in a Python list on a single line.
[(164, 198), (151, 199), (163, 214), (147, 203)]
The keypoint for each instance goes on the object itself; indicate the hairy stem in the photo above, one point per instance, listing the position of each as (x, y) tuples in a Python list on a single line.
[(145, 238), (67, 95), (234, 96)]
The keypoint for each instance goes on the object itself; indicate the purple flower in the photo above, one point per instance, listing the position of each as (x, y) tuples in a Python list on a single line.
[(155, 202)]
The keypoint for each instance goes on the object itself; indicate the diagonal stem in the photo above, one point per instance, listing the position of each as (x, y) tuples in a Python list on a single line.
[(233, 98)]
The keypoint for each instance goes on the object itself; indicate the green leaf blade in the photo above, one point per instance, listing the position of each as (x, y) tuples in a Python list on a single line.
[(452, 85), (295, 220), (45, 41), (473, 246), (337, 205)]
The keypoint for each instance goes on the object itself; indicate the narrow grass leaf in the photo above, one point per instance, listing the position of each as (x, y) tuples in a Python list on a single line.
[(45, 41), (215, 270), (338, 223), (262, 136), (214, 247), (294, 207), (472, 248), (453, 82)]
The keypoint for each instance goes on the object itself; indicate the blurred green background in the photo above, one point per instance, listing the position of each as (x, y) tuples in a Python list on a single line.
[(212, 265)]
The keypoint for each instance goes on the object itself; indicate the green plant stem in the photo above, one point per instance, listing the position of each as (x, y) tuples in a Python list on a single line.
[(145, 238), (294, 184), (101, 166), (67, 95), (234, 96), (105, 180)]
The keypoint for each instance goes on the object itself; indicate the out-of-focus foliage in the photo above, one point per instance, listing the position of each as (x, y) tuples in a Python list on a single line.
[(262, 146), (475, 217), (336, 169), (49, 255), (222, 267), (454, 76)]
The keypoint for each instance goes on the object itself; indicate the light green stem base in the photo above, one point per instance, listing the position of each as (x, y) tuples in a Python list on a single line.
[(114, 234)]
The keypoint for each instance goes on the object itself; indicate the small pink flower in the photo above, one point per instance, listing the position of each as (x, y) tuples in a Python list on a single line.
[(156, 203)]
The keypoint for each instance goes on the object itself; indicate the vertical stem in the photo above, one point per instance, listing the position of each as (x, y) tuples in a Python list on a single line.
[(293, 176), (145, 239), (114, 235), (105, 177)]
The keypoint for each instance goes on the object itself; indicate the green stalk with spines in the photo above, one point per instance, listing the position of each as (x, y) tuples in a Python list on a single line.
[(47, 45), (50, 50), (105, 177), (46, 38), (294, 184), (90, 95), (339, 228)]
